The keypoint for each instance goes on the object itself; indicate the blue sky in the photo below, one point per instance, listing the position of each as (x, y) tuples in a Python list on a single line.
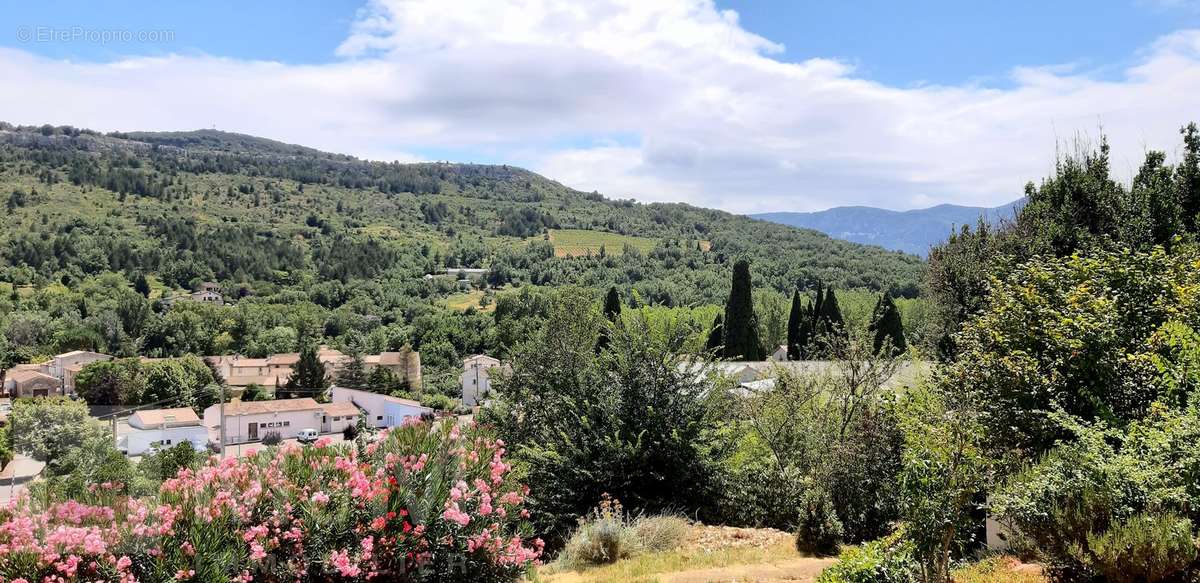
[(787, 106)]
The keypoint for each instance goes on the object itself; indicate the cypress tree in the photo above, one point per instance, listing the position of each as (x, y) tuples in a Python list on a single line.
[(830, 315), (715, 336), (612, 311), (795, 323), (887, 326), (141, 285), (741, 325)]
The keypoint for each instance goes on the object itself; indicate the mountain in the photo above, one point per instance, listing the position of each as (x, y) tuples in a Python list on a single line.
[(914, 231), (262, 215)]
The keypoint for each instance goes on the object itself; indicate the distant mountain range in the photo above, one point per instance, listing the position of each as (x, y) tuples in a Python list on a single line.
[(914, 231)]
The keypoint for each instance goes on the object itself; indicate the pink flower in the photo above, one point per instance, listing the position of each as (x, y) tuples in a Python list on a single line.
[(453, 514), (320, 498)]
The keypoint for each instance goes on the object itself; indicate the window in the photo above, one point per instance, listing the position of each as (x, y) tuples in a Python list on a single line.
[(287, 423), (379, 418)]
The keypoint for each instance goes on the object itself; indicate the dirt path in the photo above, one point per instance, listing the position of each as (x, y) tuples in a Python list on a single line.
[(802, 569)]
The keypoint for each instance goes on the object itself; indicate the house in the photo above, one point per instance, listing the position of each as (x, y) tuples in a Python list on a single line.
[(381, 410), (476, 378), (281, 364), (154, 428), (338, 415), (405, 364), (68, 364), (252, 420), (30, 383)]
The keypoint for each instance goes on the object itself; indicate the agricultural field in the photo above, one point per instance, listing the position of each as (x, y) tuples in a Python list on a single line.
[(581, 243)]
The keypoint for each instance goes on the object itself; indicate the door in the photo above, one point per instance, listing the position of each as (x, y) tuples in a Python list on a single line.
[(253, 428)]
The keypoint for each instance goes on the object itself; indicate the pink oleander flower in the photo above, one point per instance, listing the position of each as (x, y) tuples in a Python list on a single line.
[(320, 498)]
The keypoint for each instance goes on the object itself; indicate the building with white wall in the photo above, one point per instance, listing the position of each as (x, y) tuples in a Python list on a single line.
[(476, 378), (247, 421), (381, 410), (162, 428)]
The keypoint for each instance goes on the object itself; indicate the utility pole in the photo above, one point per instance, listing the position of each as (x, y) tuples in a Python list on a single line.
[(221, 436)]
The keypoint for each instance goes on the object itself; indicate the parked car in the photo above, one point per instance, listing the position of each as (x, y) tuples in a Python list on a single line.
[(307, 435)]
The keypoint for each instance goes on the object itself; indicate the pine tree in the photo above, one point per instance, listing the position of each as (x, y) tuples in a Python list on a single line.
[(887, 327), (795, 326), (354, 374), (741, 325), (715, 337), (308, 377)]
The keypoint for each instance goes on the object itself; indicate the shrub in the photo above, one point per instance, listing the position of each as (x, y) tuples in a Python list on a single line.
[(425, 503), (1146, 547), (350, 432), (272, 438), (604, 536), (819, 531), (761, 495), (888, 560), (660, 533), (438, 402)]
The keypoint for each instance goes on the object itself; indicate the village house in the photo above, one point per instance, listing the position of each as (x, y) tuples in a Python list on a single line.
[(30, 383), (247, 421), (68, 364), (405, 364), (381, 410), (152, 429), (476, 378)]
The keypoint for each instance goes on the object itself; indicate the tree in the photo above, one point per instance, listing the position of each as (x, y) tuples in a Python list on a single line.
[(48, 428), (612, 311), (741, 325), (795, 323), (256, 392), (141, 286), (830, 316), (353, 375), (716, 337), (1188, 177), (111, 382), (308, 378), (887, 326)]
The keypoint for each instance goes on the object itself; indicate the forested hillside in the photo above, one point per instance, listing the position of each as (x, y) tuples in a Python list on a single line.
[(210, 205), (314, 247)]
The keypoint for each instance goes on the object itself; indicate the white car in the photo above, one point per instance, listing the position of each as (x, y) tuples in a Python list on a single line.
[(307, 435)]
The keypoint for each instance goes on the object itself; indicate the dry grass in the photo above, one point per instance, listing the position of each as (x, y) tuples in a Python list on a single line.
[(999, 569)]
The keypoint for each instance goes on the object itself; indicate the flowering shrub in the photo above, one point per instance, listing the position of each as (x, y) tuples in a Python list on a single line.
[(425, 502)]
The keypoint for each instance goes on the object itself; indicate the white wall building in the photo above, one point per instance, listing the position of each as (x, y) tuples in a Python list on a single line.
[(381, 410), (162, 428), (476, 378), (252, 420)]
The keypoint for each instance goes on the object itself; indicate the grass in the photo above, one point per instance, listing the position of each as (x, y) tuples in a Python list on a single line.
[(469, 299), (998, 569), (579, 242), (644, 567)]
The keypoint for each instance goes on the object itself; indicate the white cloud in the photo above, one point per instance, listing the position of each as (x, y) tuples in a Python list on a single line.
[(651, 99)]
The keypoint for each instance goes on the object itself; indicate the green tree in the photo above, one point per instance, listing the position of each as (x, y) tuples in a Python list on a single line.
[(257, 392), (795, 323), (308, 376), (612, 311), (141, 286), (49, 428), (716, 337), (887, 326), (353, 375), (1188, 178), (741, 325)]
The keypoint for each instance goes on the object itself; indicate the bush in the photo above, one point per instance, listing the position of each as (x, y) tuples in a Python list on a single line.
[(432, 503), (603, 537), (761, 495), (350, 432), (660, 533), (819, 531), (272, 438), (1146, 547), (887, 560), (438, 402)]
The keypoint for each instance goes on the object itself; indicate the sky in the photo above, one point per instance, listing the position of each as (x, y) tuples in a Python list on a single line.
[(744, 105)]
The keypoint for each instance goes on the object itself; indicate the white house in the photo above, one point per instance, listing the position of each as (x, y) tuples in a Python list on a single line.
[(252, 420), (476, 378), (152, 428), (381, 410)]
